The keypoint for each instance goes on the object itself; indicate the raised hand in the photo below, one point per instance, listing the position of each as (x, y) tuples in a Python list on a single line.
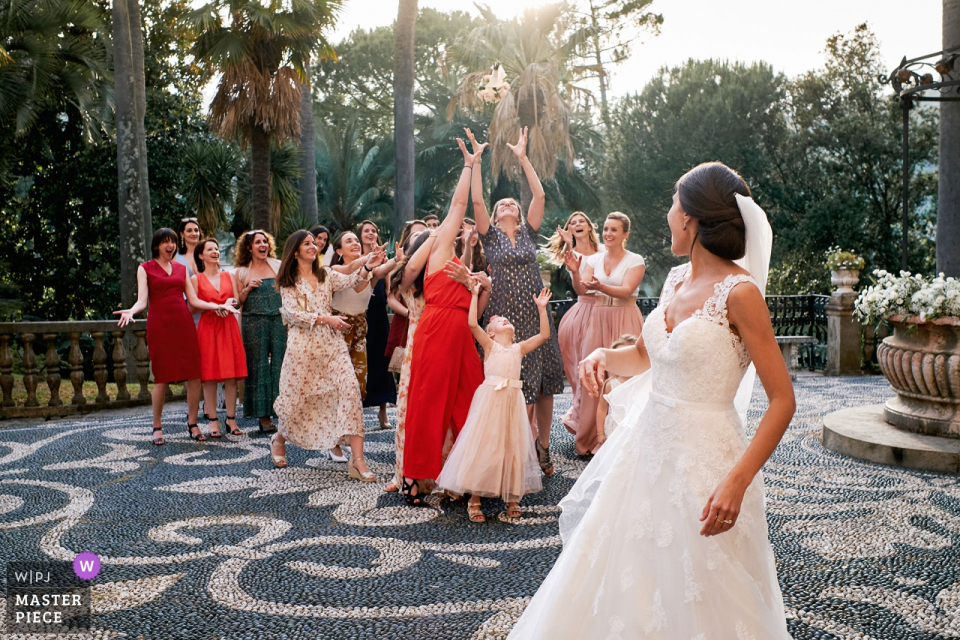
[(473, 140), (542, 299), (572, 261), (520, 149), (458, 272), (470, 158), (566, 236), (399, 252)]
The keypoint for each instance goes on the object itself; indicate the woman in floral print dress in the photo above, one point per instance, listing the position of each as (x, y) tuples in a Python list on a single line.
[(319, 398)]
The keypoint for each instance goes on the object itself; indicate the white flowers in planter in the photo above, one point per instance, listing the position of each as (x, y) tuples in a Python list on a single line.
[(909, 296), (494, 85)]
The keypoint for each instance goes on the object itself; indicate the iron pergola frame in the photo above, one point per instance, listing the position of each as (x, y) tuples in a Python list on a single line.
[(911, 80)]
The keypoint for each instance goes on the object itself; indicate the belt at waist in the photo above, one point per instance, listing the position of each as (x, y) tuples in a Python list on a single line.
[(607, 301), (587, 299), (686, 404), (503, 383)]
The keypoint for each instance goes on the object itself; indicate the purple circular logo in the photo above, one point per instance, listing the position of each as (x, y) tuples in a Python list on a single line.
[(86, 565)]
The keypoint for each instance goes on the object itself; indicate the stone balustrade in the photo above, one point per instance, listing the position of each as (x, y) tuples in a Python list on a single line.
[(45, 368)]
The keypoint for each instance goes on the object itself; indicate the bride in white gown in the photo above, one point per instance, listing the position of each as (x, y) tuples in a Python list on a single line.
[(665, 534)]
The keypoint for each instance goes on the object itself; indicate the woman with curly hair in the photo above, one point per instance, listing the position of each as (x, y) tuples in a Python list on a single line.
[(264, 336)]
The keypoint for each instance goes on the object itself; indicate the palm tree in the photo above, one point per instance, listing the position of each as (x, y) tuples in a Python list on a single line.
[(209, 186), (285, 174), (533, 52), (263, 55), (403, 66), (352, 178)]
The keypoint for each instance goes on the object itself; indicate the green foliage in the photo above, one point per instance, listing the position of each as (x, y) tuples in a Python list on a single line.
[(838, 259), (212, 168)]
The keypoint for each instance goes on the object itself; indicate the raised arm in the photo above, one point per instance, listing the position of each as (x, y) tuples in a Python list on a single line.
[(143, 296), (475, 329), (476, 191), (532, 343), (535, 212), (572, 262), (748, 314), (450, 228)]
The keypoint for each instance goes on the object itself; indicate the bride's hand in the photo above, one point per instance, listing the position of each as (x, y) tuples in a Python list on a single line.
[(593, 369), (723, 506)]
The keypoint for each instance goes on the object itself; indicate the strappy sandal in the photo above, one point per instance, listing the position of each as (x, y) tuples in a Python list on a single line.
[(407, 488), (268, 428), (214, 434), (543, 457), (279, 462), (158, 440), (235, 431), (199, 437), (391, 487), (474, 512), (513, 510)]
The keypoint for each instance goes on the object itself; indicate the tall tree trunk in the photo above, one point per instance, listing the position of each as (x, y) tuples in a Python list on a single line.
[(136, 42), (129, 184), (948, 208), (527, 110), (403, 69), (260, 179), (598, 56), (308, 159)]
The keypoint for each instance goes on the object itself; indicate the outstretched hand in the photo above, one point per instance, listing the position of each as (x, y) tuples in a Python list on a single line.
[(458, 272), (572, 261), (543, 299), (377, 257), (566, 236), (399, 252), (520, 149), (126, 317), (470, 158)]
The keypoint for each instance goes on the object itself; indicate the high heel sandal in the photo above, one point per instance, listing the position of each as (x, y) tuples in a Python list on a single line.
[(235, 431), (158, 440), (513, 510), (199, 437), (543, 457), (354, 474), (269, 428), (474, 512), (407, 488), (278, 461), (216, 419)]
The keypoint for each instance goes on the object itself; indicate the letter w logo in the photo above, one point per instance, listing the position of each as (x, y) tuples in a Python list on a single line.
[(86, 566)]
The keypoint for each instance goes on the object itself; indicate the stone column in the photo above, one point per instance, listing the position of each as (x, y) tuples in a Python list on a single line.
[(843, 335), (948, 203)]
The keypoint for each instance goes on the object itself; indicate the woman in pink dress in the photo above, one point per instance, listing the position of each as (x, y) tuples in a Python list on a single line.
[(614, 278), (171, 334), (222, 358)]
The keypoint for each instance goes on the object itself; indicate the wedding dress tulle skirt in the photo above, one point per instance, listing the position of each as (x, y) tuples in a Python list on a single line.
[(634, 564)]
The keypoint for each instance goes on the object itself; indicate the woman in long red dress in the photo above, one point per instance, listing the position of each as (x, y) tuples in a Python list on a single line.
[(171, 334), (445, 369), (222, 358)]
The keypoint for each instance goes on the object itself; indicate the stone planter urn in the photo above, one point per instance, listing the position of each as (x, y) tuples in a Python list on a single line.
[(845, 279), (921, 360)]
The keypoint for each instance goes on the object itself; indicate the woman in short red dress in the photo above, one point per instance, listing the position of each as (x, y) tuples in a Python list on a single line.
[(222, 358), (171, 334), (445, 369)]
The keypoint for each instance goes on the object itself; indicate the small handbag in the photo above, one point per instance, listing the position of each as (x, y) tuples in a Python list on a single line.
[(396, 360)]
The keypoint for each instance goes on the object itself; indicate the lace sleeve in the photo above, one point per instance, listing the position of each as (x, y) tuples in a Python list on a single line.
[(675, 277), (715, 307)]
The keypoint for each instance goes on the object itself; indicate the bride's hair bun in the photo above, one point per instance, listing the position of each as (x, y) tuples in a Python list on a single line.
[(707, 194)]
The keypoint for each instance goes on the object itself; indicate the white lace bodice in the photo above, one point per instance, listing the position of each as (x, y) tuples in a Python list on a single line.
[(503, 361), (702, 360)]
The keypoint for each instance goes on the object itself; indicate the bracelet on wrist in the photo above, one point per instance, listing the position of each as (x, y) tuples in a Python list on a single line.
[(369, 270), (468, 166)]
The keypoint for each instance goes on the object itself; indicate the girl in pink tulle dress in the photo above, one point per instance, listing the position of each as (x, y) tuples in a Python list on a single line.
[(494, 455)]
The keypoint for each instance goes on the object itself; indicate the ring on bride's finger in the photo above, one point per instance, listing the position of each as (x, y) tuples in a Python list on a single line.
[(727, 521)]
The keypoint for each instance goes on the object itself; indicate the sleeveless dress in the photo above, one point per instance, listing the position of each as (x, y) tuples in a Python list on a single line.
[(607, 323), (494, 455), (415, 306), (445, 371), (171, 334), (516, 281), (571, 334), (381, 389), (634, 564), (265, 342), (182, 259), (221, 348), (319, 399)]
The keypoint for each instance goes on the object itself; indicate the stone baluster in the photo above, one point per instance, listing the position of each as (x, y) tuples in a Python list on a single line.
[(76, 369), (142, 354), (52, 363), (6, 370), (120, 365), (100, 367), (30, 369)]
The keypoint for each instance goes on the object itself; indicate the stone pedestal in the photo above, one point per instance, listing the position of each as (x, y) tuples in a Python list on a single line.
[(843, 335)]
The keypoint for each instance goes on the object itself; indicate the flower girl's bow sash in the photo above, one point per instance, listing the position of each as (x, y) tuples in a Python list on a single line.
[(499, 384)]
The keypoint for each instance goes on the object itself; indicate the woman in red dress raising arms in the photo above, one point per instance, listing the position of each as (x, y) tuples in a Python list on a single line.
[(222, 358), (445, 369), (171, 334)]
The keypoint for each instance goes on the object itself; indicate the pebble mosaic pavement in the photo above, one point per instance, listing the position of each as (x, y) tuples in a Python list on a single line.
[(210, 541)]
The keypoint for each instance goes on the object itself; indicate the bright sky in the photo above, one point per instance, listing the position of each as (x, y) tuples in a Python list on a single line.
[(788, 34)]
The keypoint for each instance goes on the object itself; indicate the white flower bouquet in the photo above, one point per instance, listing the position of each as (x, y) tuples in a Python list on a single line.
[(910, 298), (494, 86)]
